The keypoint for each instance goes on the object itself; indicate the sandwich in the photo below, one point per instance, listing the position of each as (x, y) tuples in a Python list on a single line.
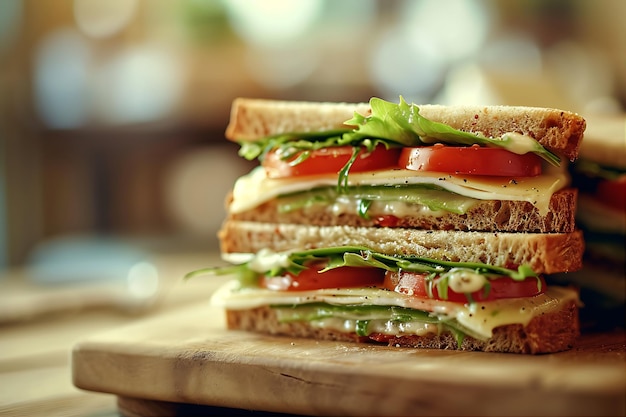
[(600, 176), (423, 226)]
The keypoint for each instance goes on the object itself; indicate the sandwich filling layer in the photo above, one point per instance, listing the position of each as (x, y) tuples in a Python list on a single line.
[(372, 310), (255, 188), (356, 290)]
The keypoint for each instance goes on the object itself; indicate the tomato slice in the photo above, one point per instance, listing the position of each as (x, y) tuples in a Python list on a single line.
[(416, 284), (312, 279), (330, 161), (473, 160), (613, 192)]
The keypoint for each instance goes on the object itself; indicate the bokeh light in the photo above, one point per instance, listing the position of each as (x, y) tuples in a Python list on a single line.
[(103, 18), (143, 280), (413, 57), (141, 83), (272, 22), (457, 29), (401, 67), (63, 63)]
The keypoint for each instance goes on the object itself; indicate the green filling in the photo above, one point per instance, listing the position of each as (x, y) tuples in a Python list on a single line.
[(433, 197), (362, 316)]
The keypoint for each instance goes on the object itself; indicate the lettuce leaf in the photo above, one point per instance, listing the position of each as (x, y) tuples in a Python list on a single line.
[(403, 124)]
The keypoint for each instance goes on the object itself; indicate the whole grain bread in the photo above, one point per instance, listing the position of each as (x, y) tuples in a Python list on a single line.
[(546, 253), (557, 130), (550, 332), (485, 216)]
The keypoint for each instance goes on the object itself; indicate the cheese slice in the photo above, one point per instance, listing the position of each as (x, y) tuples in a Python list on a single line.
[(255, 188)]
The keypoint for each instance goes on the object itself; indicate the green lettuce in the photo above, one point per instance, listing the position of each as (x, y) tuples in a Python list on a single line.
[(403, 124), (363, 315), (431, 196)]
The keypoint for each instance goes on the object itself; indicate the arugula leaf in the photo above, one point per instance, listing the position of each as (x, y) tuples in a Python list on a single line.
[(245, 275), (359, 256)]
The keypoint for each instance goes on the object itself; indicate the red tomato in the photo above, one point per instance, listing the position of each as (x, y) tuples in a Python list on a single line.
[(387, 220), (504, 287), (312, 279), (613, 193), (473, 160), (330, 161)]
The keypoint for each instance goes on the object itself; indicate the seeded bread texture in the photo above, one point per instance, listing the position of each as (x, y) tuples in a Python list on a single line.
[(557, 130), (546, 333), (485, 216), (546, 253)]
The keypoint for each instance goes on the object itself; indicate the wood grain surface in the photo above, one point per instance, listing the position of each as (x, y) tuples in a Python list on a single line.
[(188, 357)]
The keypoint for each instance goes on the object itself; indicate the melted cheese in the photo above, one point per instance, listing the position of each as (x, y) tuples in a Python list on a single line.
[(255, 188), (481, 317)]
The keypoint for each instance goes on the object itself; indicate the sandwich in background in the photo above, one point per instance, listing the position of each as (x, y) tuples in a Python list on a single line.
[(419, 226), (600, 176)]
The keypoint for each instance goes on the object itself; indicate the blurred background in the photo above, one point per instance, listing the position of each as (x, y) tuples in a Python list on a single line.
[(112, 112)]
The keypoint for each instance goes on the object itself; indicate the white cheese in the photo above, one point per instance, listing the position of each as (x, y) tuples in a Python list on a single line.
[(255, 188)]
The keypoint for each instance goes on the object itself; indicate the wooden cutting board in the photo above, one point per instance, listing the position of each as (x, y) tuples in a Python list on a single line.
[(187, 356)]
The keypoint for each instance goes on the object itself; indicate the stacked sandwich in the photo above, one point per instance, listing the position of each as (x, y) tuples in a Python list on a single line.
[(418, 226), (600, 176)]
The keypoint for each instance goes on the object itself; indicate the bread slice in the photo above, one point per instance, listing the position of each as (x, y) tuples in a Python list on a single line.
[(557, 130), (546, 253), (551, 332), (485, 216)]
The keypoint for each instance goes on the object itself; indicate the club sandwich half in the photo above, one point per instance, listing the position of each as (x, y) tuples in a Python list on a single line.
[(422, 226)]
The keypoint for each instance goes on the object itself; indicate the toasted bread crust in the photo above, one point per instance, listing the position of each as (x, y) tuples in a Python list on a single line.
[(557, 130), (485, 216), (546, 253), (550, 332)]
